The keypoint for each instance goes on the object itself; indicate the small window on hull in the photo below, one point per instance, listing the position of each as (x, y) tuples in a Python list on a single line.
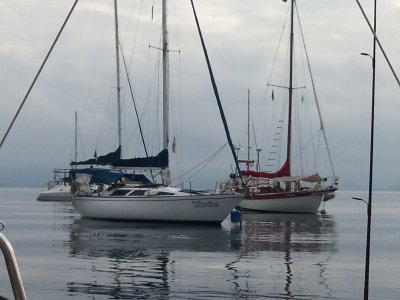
[(120, 193), (137, 193)]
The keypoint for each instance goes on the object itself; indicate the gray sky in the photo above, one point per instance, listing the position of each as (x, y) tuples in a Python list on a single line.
[(241, 37)]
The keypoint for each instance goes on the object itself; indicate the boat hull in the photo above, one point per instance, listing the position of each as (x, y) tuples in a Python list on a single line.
[(289, 202), (60, 193), (329, 195), (189, 208)]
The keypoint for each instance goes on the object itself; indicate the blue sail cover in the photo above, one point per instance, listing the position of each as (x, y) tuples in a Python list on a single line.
[(100, 176), (107, 176), (107, 159), (160, 161)]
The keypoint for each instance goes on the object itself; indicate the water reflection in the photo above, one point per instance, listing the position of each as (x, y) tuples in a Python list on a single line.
[(135, 256), (96, 237), (161, 261), (289, 234)]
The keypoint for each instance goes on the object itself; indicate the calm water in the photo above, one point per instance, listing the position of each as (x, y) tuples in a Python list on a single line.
[(271, 257)]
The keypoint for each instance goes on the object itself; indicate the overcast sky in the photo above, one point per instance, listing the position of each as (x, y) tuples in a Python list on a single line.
[(241, 37)]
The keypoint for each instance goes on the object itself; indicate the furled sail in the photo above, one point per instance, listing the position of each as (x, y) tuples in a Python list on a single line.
[(107, 159), (284, 171), (152, 162)]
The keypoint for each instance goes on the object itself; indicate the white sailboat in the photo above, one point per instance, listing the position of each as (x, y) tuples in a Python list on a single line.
[(281, 191), (59, 189), (135, 198)]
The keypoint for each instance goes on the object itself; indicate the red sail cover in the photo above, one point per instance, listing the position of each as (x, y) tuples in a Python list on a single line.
[(284, 171)]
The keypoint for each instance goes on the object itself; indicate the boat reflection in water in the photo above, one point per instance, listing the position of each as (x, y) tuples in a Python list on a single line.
[(296, 248), (271, 255)]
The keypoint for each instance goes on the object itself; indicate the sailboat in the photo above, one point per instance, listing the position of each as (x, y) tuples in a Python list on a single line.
[(279, 190), (59, 189), (134, 197)]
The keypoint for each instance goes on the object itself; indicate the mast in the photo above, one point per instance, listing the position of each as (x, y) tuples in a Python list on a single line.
[(118, 74), (165, 174), (221, 110), (76, 136), (248, 129), (289, 137)]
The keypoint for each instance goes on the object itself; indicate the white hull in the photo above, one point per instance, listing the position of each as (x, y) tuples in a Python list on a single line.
[(290, 202), (56, 193), (188, 208)]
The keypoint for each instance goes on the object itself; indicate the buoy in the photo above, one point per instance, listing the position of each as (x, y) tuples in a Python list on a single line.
[(236, 215), (323, 211)]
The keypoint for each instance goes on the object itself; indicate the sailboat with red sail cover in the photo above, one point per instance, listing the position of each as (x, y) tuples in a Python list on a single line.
[(281, 191)]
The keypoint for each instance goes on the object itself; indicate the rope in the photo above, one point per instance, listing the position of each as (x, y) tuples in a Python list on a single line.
[(379, 43), (134, 104), (204, 163), (315, 93), (38, 73), (133, 99)]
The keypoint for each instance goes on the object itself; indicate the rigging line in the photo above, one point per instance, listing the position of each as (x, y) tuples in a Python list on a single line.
[(305, 146), (278, 46), (315, 94), (38, 73), (259, 117), (200, 169), (153, 91), (133, 99), (136, 33), (179, 122), (254, 134), (272, 69), (228, 136), (204, 163), (379, 43), (134, 103), (316, 152)]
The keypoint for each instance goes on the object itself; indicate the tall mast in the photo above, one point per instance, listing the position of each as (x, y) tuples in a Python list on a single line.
[(248, 129), (118, 74), (76, 136), (289, 137), (166, 175)]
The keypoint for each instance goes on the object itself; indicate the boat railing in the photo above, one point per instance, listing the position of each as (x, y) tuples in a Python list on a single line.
[(330, 182), (12, 266)]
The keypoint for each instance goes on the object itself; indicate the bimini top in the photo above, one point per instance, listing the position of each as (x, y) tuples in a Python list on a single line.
[(306, 178), (107, 176)]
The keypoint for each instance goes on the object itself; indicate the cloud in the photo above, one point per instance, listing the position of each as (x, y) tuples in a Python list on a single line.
[(241, 38)]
